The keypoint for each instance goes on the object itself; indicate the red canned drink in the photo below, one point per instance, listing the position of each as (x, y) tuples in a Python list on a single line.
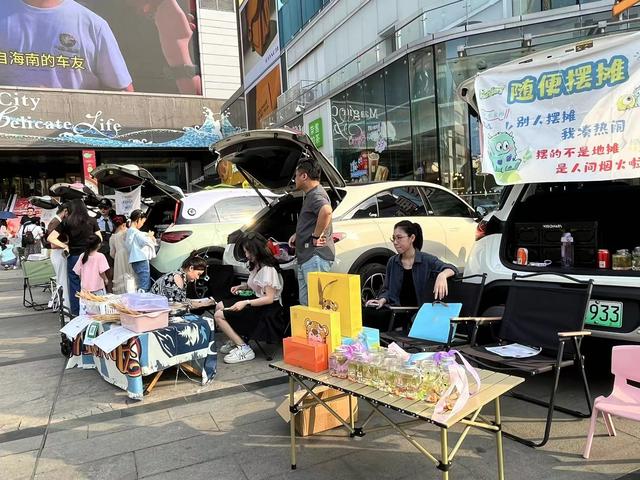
[(522, 257), (604, 258)]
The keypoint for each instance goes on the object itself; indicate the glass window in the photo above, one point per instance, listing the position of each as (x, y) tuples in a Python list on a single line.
[(348, 116), (423, 116), (398, 151), (401, 202), (238, 209), (367, 209), (443, 204)]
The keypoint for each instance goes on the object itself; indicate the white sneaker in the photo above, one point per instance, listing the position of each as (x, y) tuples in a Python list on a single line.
[(242, 353), (227, 347)]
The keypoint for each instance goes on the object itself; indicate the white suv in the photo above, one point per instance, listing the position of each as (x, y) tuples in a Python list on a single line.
[(533, 216), (364, 214)]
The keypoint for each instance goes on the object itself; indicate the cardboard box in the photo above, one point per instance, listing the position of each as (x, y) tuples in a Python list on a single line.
[(314, 419), (300, 352)]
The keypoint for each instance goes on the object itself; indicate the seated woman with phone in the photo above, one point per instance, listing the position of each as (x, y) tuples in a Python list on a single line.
[(261, 307), (407, 276)]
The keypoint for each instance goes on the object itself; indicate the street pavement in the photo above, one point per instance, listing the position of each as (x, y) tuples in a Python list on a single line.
[(71, 424)]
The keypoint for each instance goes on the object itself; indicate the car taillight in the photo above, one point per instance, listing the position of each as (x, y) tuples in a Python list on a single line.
[(481, 229), (337, 236), (175, 237)]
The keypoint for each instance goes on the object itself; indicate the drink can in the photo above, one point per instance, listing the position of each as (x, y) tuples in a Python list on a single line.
[(522, 257), (604, 258)]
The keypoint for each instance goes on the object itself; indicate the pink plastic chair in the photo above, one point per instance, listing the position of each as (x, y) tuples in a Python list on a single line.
[(624, 400)]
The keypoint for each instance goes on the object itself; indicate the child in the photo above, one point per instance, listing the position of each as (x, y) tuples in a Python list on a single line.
[(91, 267), (8, 259)]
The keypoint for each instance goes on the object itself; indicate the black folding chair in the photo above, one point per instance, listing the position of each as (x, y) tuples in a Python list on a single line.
[(465, 290), (545, 315)]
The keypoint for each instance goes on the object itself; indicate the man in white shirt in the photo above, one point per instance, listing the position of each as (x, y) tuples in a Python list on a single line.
[(59, 44)]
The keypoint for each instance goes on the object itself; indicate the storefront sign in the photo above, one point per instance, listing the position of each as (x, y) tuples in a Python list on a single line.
[(361, 127), (107, 120), (316, 133), (573, 117)]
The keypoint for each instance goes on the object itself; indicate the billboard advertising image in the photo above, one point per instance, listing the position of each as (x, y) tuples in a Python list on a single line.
[(260, 44), (117, 45)]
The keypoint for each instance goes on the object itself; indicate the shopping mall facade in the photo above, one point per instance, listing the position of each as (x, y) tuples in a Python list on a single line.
[(375, 81), (147, 92)]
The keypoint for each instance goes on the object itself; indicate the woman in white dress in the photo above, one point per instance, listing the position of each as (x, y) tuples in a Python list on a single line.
[(123, 275)]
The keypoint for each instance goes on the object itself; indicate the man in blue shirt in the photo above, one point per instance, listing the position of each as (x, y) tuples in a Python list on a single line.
[(59, 44)]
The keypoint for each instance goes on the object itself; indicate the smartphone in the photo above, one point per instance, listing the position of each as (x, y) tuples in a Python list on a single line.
[(65, 253)]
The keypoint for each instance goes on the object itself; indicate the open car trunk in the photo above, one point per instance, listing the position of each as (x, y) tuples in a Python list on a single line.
[(598, 214), (277, 221)]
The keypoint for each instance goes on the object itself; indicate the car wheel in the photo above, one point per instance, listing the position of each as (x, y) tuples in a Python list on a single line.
[(371, 280)]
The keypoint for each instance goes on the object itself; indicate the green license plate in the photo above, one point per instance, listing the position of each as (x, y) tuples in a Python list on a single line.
[(604, 314)]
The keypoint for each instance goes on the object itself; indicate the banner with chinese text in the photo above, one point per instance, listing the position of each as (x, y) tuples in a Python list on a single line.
[(564, 115)]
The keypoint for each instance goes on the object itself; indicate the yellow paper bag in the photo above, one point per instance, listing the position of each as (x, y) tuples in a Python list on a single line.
[(339, 292), (316, 325)]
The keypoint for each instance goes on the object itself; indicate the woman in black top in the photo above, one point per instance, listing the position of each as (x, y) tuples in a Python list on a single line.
[(77, 227), (409, 272)]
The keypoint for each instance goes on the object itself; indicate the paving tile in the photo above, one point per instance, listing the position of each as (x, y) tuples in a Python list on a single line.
[(120, 467), (18, 466), (20, 446), (219, 469)]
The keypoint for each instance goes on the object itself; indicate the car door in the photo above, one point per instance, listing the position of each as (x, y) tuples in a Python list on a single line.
[(457, 221), (406, 203)]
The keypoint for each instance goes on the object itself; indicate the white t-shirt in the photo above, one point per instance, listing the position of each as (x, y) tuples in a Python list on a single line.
[(265, 277), (67, 46)]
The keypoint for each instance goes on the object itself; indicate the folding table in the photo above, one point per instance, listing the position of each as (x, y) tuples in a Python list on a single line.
[(493, 385)]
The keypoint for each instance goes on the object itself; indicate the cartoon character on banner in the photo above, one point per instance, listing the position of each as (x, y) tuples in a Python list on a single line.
[(629, 101), (504, 157)]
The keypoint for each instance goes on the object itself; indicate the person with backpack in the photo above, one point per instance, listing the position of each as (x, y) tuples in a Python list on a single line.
[(31, 235)]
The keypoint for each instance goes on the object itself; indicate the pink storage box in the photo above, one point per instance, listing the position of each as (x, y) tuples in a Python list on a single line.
[(146, 321)]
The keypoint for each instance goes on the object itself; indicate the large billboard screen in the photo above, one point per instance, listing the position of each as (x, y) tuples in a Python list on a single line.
[(118, 45), (259, 31)]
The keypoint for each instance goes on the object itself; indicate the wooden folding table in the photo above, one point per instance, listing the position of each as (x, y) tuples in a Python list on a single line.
[(494, 385)]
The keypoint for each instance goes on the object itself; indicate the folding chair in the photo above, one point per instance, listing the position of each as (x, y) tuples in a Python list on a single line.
[(545, 315), (37, 273), (465, 290)]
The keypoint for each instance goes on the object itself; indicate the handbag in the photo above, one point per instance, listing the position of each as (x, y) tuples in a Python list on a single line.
[(432, 322)]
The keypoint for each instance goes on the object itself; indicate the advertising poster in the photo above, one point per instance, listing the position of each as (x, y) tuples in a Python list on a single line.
[(118, 45), (570, 115), (263, 98), (88, 166), (259, 34)]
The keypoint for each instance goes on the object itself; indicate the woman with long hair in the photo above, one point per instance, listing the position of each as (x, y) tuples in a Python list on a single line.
[(77, 227), (123, 276), (243, 317), (408, 272)]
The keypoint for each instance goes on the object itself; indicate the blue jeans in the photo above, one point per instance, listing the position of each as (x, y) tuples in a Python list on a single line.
[(74, 284), (10, 263), (143, 274), (314, 264)]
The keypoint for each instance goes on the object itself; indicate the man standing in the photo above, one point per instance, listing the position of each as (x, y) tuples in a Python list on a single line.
[(30, 217), (313, 240), (105, 223), (58, 259)]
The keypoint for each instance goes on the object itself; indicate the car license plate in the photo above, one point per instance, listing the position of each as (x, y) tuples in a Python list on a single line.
[(604, 314)]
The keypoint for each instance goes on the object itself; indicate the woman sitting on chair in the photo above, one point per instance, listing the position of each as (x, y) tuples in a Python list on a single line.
[(409, 272), (263, 310)]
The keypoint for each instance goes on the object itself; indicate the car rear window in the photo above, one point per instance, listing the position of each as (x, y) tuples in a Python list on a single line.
[(228, 210)]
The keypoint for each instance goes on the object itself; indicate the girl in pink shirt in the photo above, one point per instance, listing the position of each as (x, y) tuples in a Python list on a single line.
[(91, 267)]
